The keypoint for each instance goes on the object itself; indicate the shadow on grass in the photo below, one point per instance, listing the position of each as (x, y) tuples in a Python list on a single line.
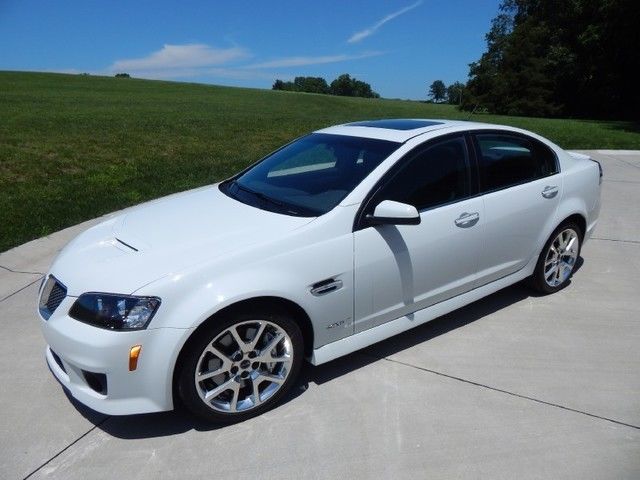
[(171, 423), (625, 126)]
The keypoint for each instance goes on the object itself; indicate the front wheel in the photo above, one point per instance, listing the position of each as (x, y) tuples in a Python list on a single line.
[(240, 366), (558, 259)]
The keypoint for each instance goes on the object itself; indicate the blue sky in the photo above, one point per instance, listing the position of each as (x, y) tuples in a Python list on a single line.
[(399, 47)]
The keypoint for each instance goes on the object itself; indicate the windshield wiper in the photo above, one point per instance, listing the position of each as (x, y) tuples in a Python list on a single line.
[(282, 206), (260, 195)]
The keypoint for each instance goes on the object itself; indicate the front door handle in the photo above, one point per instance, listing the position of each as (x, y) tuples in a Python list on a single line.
[(550, 191), (466, 220)]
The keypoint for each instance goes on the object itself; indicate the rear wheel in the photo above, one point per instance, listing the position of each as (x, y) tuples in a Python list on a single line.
[(558, 259), (240, 366)]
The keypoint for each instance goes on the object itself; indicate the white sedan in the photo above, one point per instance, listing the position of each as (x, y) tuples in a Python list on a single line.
[(340, 239)]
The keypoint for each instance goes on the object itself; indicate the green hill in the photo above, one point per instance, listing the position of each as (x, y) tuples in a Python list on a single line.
[(73, 147)]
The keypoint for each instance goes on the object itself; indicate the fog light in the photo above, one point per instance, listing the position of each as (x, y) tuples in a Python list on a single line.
[(134, 353)]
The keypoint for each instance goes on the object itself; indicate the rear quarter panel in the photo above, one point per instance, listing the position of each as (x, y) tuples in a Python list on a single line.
[(581, 190)]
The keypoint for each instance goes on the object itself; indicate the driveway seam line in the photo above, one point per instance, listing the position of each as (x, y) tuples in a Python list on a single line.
[(507, 392), (20, 271), (615, 240), (20, 289), (619, 159), (624, 161), (66, 448), (620, 181)]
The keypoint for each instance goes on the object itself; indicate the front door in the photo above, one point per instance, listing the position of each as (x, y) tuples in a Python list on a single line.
[(400, 269)]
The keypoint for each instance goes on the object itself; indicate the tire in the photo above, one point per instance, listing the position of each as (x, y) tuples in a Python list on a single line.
[(246, 362), (553, 272)]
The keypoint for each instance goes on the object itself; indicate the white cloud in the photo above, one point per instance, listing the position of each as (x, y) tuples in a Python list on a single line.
[(180, 58), (302, 61), (361, 35), (236, 73), (200, 60)]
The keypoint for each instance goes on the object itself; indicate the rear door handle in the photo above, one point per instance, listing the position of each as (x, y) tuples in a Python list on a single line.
[(550, 191), (466, 220)]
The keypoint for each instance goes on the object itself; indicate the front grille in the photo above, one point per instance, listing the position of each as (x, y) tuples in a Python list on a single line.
[(51, 297)]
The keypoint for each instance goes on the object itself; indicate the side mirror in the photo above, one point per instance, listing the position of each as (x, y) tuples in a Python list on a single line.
[(389, 212)]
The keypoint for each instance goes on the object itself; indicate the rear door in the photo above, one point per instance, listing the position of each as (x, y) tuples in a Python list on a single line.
[(521, 187)]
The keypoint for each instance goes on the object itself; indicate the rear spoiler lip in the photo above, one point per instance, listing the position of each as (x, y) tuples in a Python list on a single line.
[(582, 156)]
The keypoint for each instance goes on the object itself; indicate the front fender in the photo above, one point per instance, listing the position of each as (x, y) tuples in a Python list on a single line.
[(191, 298)]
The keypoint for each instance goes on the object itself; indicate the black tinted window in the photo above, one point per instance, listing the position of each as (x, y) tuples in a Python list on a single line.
[(435, 176), (509, 160)]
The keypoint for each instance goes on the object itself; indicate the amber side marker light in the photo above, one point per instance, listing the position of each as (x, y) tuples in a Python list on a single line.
[(134, 353)]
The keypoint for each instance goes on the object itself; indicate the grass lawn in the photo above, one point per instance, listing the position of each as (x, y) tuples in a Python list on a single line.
[(74, 147)]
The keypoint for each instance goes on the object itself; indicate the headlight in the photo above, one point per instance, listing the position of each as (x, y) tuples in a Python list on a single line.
[(115, 312)]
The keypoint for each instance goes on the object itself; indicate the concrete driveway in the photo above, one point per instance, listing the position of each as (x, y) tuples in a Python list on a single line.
[(513, 386)]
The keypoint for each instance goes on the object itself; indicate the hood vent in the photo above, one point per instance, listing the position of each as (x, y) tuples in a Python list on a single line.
[(126, 245)]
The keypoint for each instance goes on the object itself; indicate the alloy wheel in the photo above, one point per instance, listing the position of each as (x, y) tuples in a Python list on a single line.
[(561, 257), (243, 366)]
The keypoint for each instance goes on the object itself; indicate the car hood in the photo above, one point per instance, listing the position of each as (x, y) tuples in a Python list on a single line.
[(162, 238)]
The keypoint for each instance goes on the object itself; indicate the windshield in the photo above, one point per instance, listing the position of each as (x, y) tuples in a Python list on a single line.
[(310, 176)]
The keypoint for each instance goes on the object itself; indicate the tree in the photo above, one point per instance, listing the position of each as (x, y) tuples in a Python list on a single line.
[(455, 93), (303, 84), (346, 86), (311, 84), (122, 75), (438, 91), (342, 86), (549, 58)]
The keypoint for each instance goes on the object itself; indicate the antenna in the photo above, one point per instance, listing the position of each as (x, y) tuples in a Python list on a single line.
[(472, 112)]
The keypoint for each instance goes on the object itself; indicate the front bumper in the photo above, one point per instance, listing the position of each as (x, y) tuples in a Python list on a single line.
[(82, 356)]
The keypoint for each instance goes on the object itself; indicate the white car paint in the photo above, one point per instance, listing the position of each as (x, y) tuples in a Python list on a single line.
[(417, 273), (201, 251)]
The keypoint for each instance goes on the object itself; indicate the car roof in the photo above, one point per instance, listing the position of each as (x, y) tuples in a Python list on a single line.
[(398, 129)]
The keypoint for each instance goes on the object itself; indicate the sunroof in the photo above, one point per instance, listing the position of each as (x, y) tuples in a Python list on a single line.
[(395, 124)]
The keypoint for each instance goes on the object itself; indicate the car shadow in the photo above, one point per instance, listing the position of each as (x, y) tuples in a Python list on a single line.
[(171, 423)]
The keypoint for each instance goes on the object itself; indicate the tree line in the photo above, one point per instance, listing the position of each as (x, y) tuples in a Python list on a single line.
[(344, 85), (575, 58), (453, 94)]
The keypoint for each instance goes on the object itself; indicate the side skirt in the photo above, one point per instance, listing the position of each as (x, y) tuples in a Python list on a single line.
[(373, 335)]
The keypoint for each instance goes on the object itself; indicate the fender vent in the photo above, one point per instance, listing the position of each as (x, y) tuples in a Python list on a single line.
[(326, 286)]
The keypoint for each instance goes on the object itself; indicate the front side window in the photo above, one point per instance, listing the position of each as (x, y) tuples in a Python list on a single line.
[(435, 176), (310, 176), (507, 160)]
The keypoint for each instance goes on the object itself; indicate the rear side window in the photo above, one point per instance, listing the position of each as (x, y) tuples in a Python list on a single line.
[(507, 160), (435, 176)]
